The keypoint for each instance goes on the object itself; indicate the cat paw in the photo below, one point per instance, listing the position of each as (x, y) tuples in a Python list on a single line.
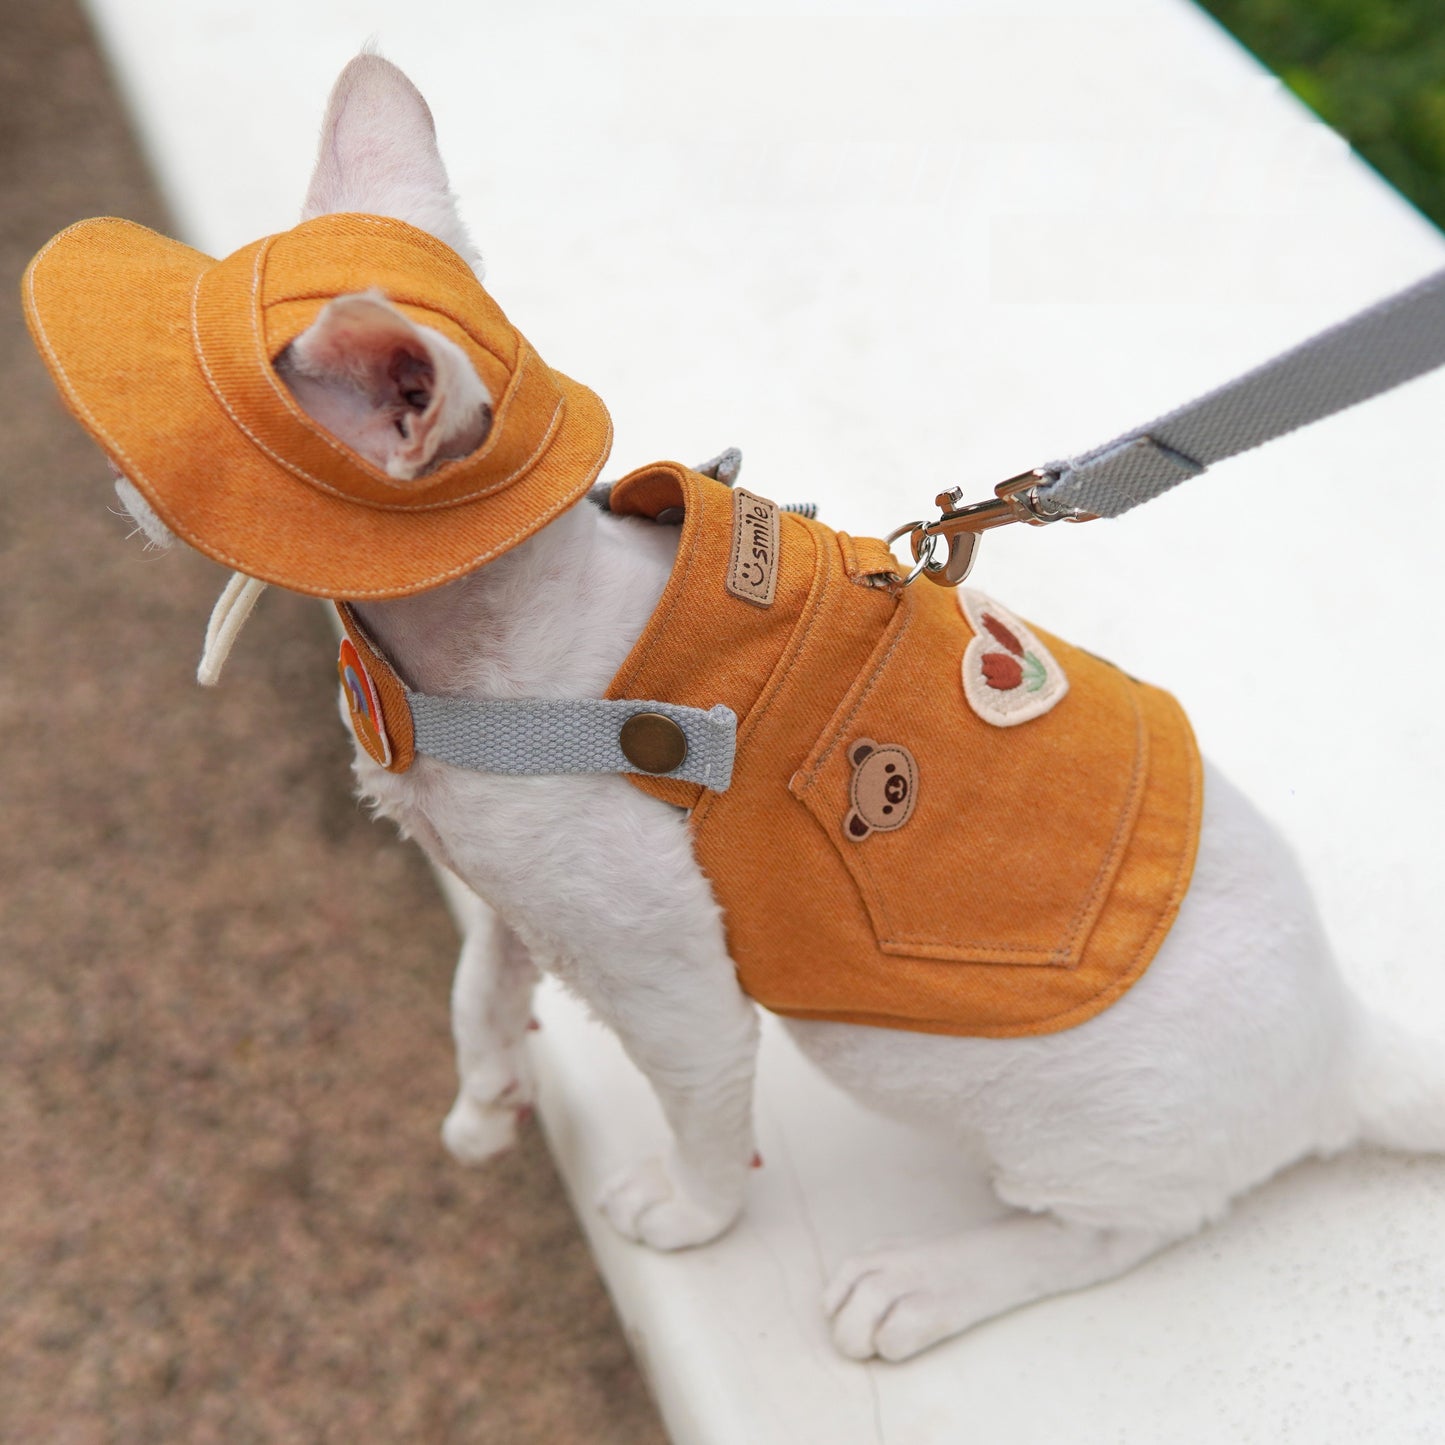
[(483, 1120), (888, 1305), (474, 1133), (645, 1203)]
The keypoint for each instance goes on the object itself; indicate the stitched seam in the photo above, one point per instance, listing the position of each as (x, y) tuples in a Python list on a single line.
[(1123, 831), (1085, 1008), (358, 595), (421, 303), (200, 351), (63, 376), (635, 663), (1185, 869), (948, 952), (863, 696), (422, 239), (461, 570), (796, 643), (737, 537)]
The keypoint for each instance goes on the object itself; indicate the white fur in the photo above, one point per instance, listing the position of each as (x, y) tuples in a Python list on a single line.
[(1237, 1053), (140, 511), (378, 155)]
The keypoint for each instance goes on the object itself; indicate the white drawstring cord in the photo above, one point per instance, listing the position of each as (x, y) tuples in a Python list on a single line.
[(228, 617)]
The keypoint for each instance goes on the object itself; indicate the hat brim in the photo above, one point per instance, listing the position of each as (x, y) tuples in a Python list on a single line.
[(109, 306)]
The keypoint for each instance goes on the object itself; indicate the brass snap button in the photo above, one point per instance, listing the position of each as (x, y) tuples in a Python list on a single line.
[(653, 743)]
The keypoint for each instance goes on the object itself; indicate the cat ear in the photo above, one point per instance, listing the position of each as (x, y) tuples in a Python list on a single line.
[(379, 156), (138, 510), (404, 396)]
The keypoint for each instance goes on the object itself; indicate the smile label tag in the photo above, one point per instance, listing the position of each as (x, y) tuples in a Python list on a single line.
[(753, 566)]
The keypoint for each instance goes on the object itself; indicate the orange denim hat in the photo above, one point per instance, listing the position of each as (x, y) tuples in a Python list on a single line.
[(166, 357)]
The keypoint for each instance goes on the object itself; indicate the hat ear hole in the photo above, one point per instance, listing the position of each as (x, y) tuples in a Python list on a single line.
[(402, 396)]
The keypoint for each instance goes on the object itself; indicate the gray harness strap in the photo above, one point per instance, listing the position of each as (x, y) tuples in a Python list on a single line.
[(566, 735), (1397, 339), (547, 737)]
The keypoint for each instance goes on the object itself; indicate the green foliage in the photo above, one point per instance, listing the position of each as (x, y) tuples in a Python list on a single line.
[(1372, 69)]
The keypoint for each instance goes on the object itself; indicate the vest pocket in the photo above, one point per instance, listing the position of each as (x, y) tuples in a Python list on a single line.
[(966, 839)]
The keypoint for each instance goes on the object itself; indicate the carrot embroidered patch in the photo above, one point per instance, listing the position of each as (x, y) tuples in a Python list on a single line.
[(364, 704), (1009, 676)]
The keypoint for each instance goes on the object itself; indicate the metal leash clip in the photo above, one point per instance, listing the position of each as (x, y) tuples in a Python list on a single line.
[(1016, 500)]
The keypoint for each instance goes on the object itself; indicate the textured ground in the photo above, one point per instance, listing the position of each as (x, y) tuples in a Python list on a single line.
[(225, 1214)]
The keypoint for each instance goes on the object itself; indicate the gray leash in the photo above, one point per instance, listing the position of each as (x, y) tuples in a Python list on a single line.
[(1395, 340)]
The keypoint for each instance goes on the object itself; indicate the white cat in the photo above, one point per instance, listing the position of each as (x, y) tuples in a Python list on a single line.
[(1238, 1052)]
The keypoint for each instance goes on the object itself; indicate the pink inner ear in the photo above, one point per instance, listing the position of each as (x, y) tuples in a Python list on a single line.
[(362, 339), (413, 376), (405, 397)]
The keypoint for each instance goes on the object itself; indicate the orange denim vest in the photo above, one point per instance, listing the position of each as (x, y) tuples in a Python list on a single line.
[(940, 819)]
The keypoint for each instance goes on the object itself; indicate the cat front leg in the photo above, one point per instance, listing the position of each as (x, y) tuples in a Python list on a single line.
[(600, 884), (491, 1013), (683, 1020)]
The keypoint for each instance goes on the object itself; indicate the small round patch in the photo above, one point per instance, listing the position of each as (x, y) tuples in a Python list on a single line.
[(367, 721), (1009, 676)]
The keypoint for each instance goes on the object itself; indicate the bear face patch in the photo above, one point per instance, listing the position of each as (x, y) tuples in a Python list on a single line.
[(883, 790)]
